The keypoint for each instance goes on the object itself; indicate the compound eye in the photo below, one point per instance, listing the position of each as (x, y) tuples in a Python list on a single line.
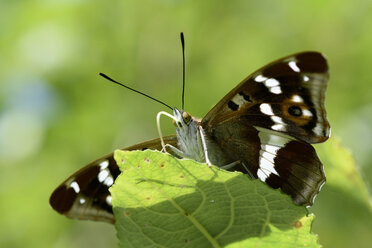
[(174, 123), (186, 117)]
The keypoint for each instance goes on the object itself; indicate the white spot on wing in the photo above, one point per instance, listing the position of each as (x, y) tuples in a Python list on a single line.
[(268, 137), (306, 78), (294, 66), (278, 127), (75, 187), (270, 148), (261, 175), (276, 90), (108, 181), (260, 78), (318, 129), (102, 175), (266, 109), (104, 164), (279, 124), (268, 156), (239, 100), (273, 85), (267, 166), (307, 113), (271, 82), (271, 143), (82, 201), (297, 98), (277, 119), (109, 199)]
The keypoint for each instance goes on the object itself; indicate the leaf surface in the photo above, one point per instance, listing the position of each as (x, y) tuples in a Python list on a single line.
[(161, 201)]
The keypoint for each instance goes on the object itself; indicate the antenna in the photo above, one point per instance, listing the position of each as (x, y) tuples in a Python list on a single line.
[(183, 70), (129, 88)]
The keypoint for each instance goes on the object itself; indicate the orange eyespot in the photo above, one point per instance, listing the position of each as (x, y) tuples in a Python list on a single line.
[(186, 117)]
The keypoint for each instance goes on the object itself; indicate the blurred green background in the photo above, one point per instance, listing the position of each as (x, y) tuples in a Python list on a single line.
[(57, 114)]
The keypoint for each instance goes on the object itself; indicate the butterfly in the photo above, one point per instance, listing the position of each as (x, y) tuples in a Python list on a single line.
[(264, 127)]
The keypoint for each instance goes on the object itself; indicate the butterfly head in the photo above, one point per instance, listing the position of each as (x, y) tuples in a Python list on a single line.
[(188, 135), (181, 118)]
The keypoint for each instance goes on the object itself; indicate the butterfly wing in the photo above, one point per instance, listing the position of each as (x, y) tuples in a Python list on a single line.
[(268, 121), (85, 194), (277, 159), (286, 96)]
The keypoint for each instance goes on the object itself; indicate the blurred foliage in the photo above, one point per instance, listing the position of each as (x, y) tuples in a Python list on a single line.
[(57, 114), (344, 206)]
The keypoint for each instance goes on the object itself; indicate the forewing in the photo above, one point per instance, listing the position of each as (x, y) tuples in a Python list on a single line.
[(85, 194), (286, 96)]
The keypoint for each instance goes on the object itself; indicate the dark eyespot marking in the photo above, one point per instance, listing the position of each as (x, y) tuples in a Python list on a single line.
[(145, 148), (295, 111), (246, 97), (232, 105)]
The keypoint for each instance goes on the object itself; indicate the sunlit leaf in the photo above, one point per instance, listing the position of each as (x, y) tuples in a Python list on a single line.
[(161, 201)]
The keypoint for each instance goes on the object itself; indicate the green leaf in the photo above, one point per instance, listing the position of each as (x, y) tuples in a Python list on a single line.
[(161, 201), (342, 171), (343, 207)]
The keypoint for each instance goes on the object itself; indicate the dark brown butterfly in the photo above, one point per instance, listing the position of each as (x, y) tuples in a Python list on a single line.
[(263, 127)]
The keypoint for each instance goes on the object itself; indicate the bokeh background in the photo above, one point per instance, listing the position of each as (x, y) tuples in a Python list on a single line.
[(57, 114)]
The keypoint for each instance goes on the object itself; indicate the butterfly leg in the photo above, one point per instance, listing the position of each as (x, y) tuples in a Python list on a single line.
[(201, 141), (175, 151), (231, 165), (159, 129)]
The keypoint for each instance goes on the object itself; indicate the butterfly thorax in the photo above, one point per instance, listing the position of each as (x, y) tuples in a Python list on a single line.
[(188, 135)]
